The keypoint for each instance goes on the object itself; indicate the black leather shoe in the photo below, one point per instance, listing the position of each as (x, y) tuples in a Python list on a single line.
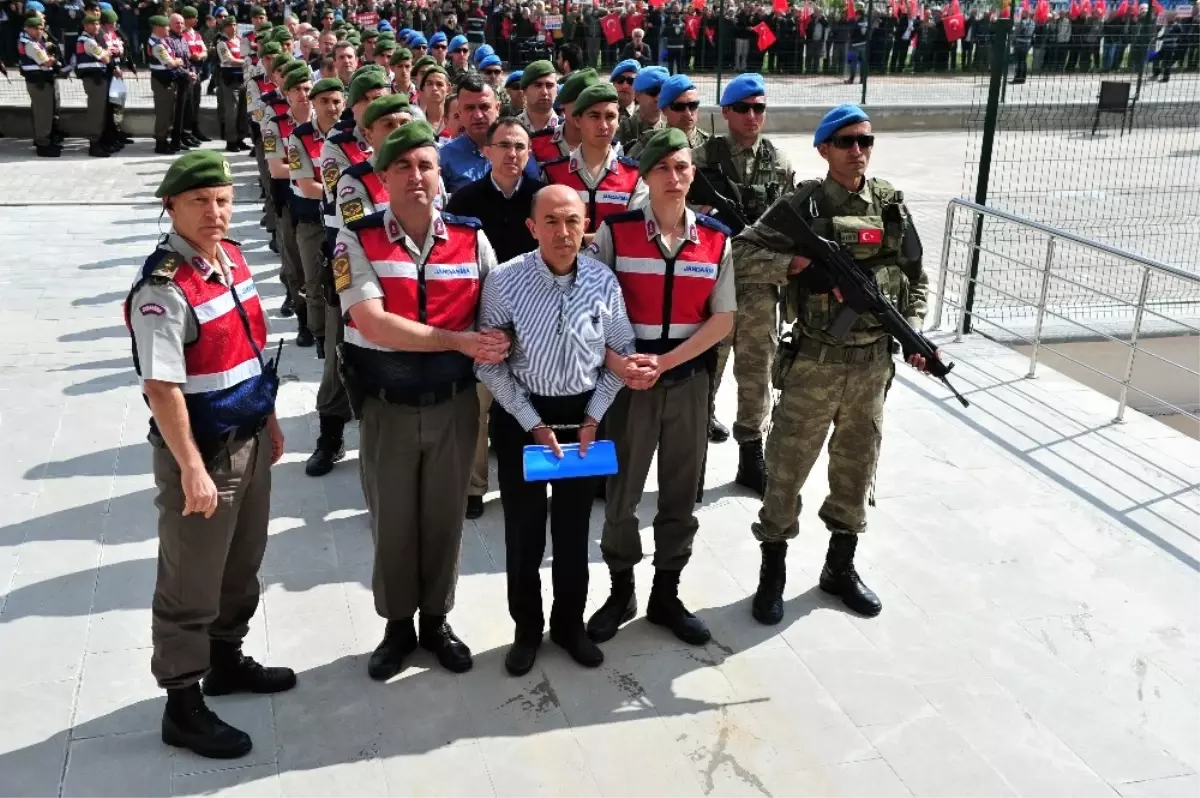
[(767, 606), (320, 347), (474, 507), (575, 641), (190, 140), (273, 244), (48, 151), (162, 148), (287, 309), (330, 449), (263, 221), (304, 336), (840, 578), (717, 432), (198, 136), (438, 638), (620, 607), (233, 672), (125, 138), (399, 640), (189, 723), (665, 609), (521, 656), (752, 468), (98, 151), (232, 148), (179, 145)]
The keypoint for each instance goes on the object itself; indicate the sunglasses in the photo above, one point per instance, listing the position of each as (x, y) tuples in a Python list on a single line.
[(492, 73), (845, 142), (622, 80), (439, 47), (745, 108), (694, 105), (462, 51), (652, 92)]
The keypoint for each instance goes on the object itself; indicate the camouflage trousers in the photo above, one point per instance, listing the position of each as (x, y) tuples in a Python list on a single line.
[(753, 340), (814, 395)]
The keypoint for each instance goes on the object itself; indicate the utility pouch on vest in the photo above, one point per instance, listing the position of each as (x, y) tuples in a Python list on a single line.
[(785, 355)]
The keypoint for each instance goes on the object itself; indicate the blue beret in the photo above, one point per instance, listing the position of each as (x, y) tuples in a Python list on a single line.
[(650, 78), (628, 65), (513, 77), (482, 52), (836, 119), (106, 7), (673, 87), (457, 43), (489, 61), (220, 12), (417, 40), (437, 37), (34, 5), (383, 25), (743, 86), (404, 33)]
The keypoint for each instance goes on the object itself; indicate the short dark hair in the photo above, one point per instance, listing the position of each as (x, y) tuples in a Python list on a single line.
[(451, 97), (571, 53), (504, 121), (472, 82)]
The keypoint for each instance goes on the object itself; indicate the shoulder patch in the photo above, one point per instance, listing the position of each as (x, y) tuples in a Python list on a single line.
[(330, 174), (161, 265), (367, 222), (352, 210), (152, 309), (293, 157), (712, 224), (465, 221), (341, 271), (270, 141)]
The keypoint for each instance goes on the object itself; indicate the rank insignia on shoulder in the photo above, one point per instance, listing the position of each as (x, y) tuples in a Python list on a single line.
[(352, 211), (166, 269), (293, 157), (269, 142), (341, 273), (152, 309), (330, 174)]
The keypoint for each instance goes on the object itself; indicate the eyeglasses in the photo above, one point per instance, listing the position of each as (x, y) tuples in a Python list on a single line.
[(679, 108), (845, 142), (652, 92), (492, 73), (745, 108), (622, 80), (515, 146), (439, 47), (463, 50)]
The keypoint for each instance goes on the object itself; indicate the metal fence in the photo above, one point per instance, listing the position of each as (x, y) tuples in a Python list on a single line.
[(1049, 291)]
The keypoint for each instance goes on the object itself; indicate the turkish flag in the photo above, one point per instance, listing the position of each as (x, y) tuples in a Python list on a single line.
[(1123, 9), (1102, 8), (1042, 15), (766, 37), (914, 11), (1025, 9), (954, 23), (611, 25), (656, 3), (851, 11), (692, 26), (1158, 9), (1074, 10), (780, 6), (1085, 8), (804, 15), (710, 34), (699, 4)]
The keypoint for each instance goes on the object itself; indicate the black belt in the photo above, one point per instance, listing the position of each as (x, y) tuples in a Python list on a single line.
[(436, 396), (812, 349), (684, 371)]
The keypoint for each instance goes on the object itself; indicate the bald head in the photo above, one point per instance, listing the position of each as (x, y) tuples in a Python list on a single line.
[(175, 23), (557, 222)]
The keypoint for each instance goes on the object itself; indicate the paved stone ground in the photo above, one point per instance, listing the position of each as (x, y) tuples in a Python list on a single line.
[(1037, 564), (823, 90)]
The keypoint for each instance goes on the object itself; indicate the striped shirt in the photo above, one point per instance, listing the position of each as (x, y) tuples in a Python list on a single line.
[(561, 327)]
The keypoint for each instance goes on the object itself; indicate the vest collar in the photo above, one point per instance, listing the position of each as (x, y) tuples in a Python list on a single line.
[(221, 271), (653, 230), (838, 195), (395, 232), (578, 165)]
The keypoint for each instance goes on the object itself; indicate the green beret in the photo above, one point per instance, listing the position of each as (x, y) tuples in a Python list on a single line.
[(536, 71), (295, 65), (422, 62), (258, 11), (297, 76), (90, 18), (197, 169), (434, 70), (368, 35), (576, 83), (159, 21), (228, 22), (263, 27), (35, 21), (368, 81), (384, 46), (597, 93), (189, 12), (271, 48), (387, 36), (660, 145), (323, 85), (281, 36), (281, 61), (401, 140), (382, 106), (108, 16), (400, 54)]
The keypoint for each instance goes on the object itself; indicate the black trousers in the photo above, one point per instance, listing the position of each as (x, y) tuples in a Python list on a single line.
[(525, 510), (181, 114)]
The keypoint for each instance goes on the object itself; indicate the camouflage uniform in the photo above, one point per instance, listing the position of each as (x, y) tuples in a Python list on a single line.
[(762, 174), (696, 139), (824, 380), (633, 126)]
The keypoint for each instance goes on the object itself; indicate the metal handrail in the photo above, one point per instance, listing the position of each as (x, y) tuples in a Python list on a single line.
[(1149, 267)]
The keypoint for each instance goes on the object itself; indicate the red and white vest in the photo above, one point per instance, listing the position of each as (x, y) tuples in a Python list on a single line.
[(376, 191), (666, 298), (548, 145), (611, 195), (195, 44)]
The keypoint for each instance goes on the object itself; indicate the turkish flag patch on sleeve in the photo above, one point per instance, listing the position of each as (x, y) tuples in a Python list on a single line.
[(870, 235)]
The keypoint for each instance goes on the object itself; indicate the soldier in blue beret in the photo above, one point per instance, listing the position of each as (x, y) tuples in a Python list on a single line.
[(458, 58), (745, 164), (826, 379), (515, 97), (646, 86), (622, 76), (679, 103)]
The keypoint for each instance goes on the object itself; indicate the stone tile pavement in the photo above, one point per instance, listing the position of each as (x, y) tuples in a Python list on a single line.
[(1037, 564)]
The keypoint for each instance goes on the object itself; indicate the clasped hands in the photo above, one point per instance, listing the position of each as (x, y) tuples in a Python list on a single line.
[(486, 346), (640, 371)]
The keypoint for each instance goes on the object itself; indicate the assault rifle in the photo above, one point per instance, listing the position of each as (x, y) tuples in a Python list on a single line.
[(729, 209), (859, 290)]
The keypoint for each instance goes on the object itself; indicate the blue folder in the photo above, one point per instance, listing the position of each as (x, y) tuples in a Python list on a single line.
[(541, 464)]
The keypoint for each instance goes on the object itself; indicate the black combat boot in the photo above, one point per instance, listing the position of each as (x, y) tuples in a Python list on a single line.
[(575, 641), (620, 607), (48, 151), (768, 599), (330, 449), (439, 638), (522, 653), (288, 308), (162, 147), (399, 640), (304, 336), (320, 339), (752, 469), (97, 150), (189, 723), (665, 609), (199, 136), (841, 579), (273, 244), (234, 672), (717, 432)]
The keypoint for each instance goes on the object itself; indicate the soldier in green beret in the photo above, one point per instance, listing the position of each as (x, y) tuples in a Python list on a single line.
[(91, 65), (382, 54), (550, 144), (401, 64), (212, 456), (539, 81), (408, 363), (665, 409), (232, 91), (165, 71), (435, 88)]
